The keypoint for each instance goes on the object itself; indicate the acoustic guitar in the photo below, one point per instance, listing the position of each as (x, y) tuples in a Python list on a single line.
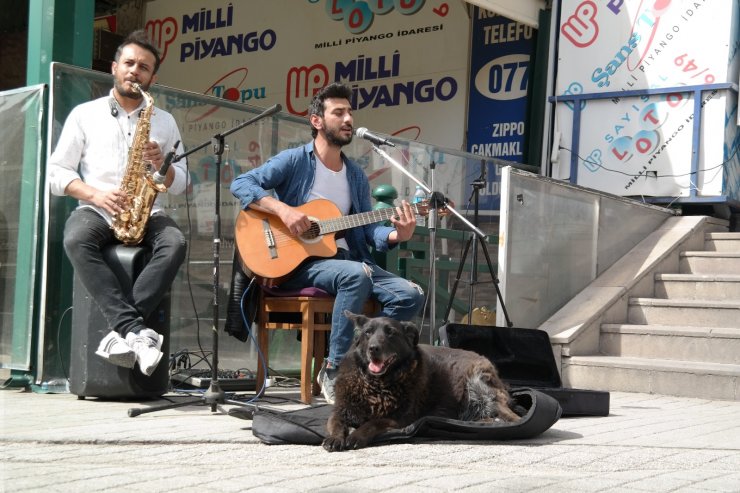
[(271, 252)]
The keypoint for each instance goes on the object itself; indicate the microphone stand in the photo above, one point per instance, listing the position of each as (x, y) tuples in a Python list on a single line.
[(436, 200), (215, 394)]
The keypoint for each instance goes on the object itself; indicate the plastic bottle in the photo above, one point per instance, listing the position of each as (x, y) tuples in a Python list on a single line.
[(55, 386), (419, 197)]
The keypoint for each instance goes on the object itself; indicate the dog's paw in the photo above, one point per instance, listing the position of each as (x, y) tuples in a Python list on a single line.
[(355, 441), (333, 444)]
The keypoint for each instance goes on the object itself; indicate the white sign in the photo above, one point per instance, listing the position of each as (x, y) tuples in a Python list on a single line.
[(406, 61), (643, 145)]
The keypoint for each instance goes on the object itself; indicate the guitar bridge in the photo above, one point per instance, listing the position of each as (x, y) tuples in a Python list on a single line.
[(269, 238)]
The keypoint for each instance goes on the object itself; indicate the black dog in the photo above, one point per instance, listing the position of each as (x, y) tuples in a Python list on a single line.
[(388, 381)]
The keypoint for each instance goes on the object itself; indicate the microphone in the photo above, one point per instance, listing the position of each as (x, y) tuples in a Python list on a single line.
[(113, 109), (363, 133), (159, 176)]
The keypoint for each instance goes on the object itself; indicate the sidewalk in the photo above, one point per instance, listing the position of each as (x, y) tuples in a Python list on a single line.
[(55, 442)]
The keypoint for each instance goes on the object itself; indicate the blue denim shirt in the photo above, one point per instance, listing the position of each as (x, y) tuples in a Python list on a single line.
[(291, 174)]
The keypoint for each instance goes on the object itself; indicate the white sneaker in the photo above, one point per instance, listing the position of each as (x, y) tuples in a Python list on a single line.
[(114, 349), (327, 377), (146, 345)]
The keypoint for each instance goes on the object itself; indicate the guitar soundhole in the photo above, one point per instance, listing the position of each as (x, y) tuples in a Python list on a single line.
[(312, 233)]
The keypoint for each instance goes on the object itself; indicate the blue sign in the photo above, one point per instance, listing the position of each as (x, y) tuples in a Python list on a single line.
[(499, 71)]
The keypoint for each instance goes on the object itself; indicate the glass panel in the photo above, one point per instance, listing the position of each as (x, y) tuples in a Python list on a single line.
[(551, 238), (21, 114), (200, 118), (557, 238)]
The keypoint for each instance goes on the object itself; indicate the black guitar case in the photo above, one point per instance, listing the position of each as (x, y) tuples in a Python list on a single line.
[(524, 358), (308, 426)]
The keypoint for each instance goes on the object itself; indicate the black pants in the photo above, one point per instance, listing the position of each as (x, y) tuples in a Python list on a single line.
[(86, 233)]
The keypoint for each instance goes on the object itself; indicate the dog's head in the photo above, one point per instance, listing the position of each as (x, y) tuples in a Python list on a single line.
[(382, 343)]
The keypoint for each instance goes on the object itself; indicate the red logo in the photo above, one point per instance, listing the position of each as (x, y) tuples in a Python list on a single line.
[(162, 32), (301, 84), (581, 28), (228, 87)]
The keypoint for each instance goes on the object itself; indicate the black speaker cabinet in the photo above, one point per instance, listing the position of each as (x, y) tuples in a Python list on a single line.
[(89, 374)]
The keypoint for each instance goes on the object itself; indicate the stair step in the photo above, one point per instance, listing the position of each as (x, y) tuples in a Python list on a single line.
[(653, 376), (709, 262), (698, 286), (722, 242), (683, 342), (695, 313), (718, 345)]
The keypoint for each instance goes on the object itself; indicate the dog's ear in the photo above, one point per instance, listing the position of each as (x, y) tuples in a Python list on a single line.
[(411, 332), (357, 319)]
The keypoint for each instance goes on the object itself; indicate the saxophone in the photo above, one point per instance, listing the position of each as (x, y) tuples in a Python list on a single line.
[(138, 184)]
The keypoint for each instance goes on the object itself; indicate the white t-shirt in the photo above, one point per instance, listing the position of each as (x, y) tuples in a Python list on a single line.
[(332, 185)]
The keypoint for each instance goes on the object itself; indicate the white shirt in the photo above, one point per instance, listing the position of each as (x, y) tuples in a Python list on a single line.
[(94, 144), (334, 186)]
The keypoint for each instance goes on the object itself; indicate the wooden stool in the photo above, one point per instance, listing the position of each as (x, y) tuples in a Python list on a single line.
[(312, 309)]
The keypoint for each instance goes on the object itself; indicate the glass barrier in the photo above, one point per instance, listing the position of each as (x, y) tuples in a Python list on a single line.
[(556, 238), (200, 118), (21, 145)]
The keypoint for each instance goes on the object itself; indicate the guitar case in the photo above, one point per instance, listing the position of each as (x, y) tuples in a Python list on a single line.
[(524, 359), (307, 426)]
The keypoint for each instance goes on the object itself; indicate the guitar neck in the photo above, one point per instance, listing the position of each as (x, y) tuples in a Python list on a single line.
[(354, 220)]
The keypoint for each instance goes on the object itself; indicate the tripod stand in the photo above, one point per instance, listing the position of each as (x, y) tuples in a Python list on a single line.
[(215, 395), (473, 241)]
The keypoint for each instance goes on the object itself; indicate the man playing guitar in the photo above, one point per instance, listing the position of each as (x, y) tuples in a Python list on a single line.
[(320, 170)]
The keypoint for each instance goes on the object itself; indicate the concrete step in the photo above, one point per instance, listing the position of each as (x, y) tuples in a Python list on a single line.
[(698, 286), (683, 342), (718, 345), (722, 242), (709, 263), (695, 313), (653, 376)]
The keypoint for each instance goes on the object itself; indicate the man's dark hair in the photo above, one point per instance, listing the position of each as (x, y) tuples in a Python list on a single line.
[(141, 39), (333, 90)]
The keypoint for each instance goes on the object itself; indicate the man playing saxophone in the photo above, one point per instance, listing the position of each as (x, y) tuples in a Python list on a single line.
[(90, 163)]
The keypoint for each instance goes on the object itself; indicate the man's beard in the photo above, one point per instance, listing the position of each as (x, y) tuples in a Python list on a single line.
[(120, 88), (336, 139)]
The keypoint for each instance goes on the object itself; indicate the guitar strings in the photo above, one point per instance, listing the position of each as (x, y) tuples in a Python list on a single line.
[(336, 224), (281, 236)]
